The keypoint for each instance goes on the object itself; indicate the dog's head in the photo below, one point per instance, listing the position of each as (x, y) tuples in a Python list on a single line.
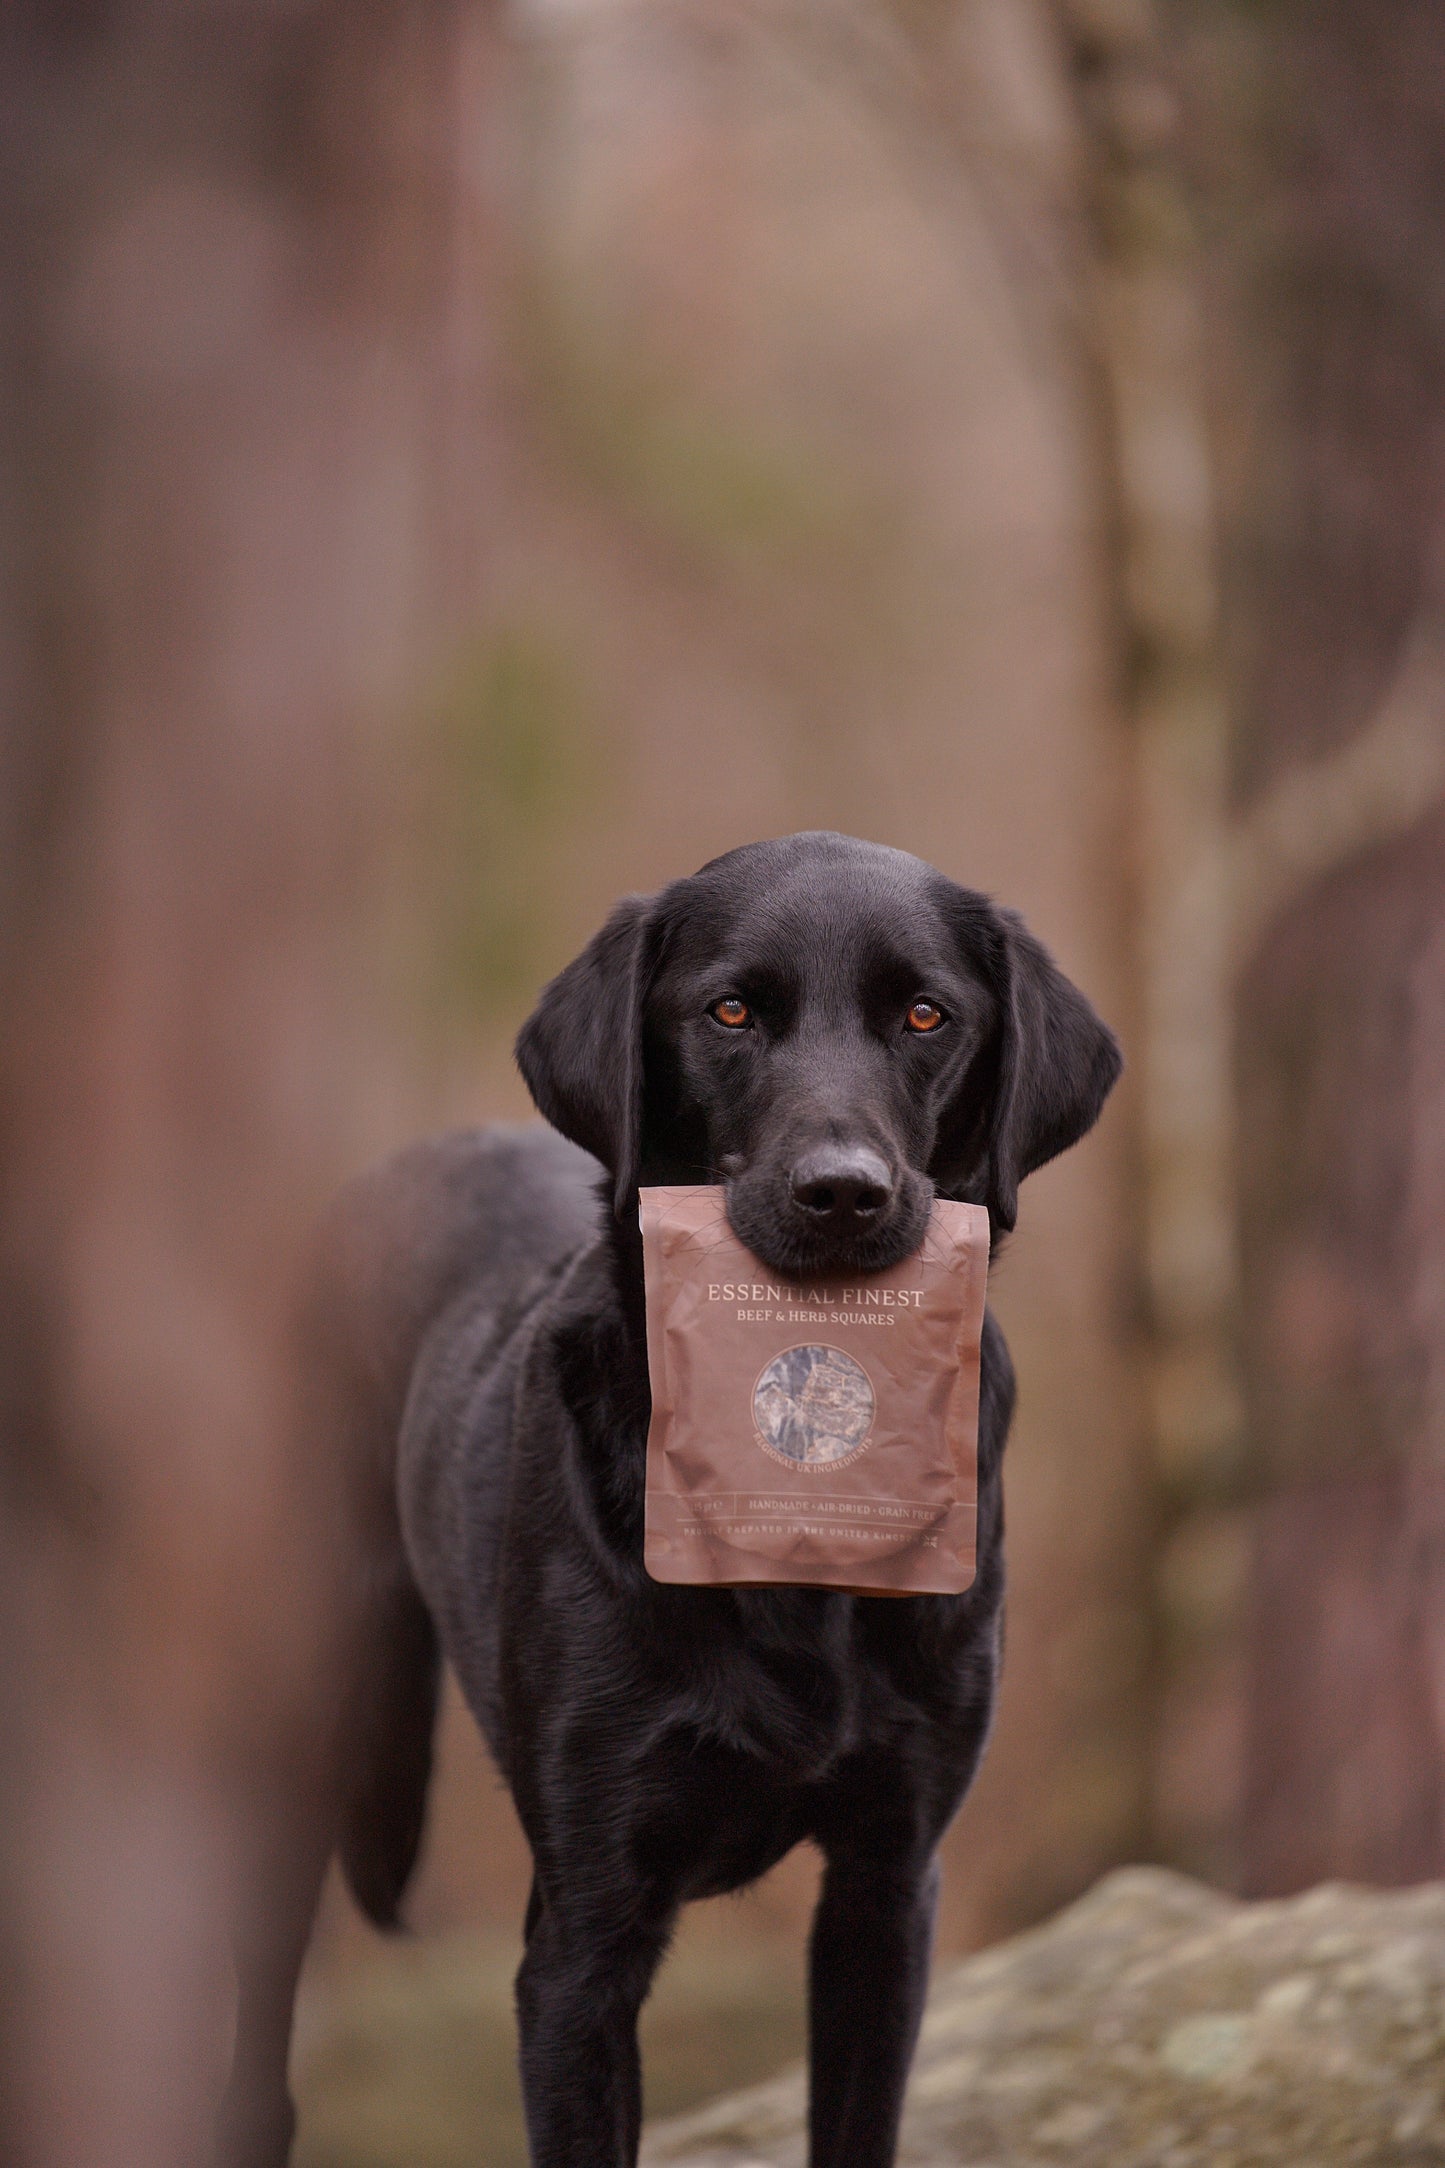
[(832, 1030)]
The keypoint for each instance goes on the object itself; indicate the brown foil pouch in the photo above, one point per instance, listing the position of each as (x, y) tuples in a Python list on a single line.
[(820, 1432)]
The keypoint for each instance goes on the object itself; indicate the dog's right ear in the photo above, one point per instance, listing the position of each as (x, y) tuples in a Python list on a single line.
[(580, 1050)]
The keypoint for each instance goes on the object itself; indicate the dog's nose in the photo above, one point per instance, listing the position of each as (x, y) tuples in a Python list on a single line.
[(841, 1182)]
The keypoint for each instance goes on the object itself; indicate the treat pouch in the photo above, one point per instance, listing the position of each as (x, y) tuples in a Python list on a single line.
[(819, 1432)]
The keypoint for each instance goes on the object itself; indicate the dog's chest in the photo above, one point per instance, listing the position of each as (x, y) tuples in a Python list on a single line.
[(788, 1680)]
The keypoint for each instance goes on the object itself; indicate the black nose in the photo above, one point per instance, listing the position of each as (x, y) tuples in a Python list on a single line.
[(841, 1182)]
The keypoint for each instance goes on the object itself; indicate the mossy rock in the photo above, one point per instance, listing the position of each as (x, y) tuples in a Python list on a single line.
[(1156, 2024)]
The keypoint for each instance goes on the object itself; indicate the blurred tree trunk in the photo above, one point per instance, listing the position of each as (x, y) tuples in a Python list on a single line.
[(1290, 912), (1141, 344), (1317, 132), (247, 476)]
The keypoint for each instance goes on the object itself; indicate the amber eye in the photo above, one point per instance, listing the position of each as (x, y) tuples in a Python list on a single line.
[(925, 1016), (732, 1012)]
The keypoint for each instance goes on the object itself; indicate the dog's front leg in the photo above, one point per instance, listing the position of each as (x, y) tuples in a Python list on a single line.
[(872, 1938), (582, 1984)]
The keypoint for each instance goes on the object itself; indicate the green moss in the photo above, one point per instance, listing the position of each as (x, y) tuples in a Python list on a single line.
[(699, 476), (512, 757)]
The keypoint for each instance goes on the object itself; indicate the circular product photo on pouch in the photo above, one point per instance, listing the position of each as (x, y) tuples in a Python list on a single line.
[(814, 1407)]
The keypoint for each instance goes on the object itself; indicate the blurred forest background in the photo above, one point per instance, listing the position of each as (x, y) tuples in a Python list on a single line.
[(462, 463)]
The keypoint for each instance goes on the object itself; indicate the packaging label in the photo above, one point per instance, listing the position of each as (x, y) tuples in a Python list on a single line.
[(818, 1434)]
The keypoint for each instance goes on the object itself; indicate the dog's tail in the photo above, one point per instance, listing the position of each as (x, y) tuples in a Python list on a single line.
[(389, 1759), (394, 1251)]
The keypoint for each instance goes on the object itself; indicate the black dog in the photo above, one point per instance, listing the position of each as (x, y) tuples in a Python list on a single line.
[(836, 1033)]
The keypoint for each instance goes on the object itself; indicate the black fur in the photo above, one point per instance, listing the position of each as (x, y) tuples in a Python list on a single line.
[(667, 1743), (389, 1765)]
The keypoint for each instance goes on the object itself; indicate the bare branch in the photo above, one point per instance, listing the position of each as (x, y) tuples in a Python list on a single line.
[(1316, 818)]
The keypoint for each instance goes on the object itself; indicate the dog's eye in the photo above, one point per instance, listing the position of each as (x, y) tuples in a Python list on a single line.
[(732, 1012), (924, 1016)]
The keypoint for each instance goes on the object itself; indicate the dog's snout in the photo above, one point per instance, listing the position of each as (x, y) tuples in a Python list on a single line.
[(842, 1182)]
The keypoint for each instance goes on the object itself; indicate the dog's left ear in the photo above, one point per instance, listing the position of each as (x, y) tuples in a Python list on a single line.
[(1054, 1064), (580, 1050)]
